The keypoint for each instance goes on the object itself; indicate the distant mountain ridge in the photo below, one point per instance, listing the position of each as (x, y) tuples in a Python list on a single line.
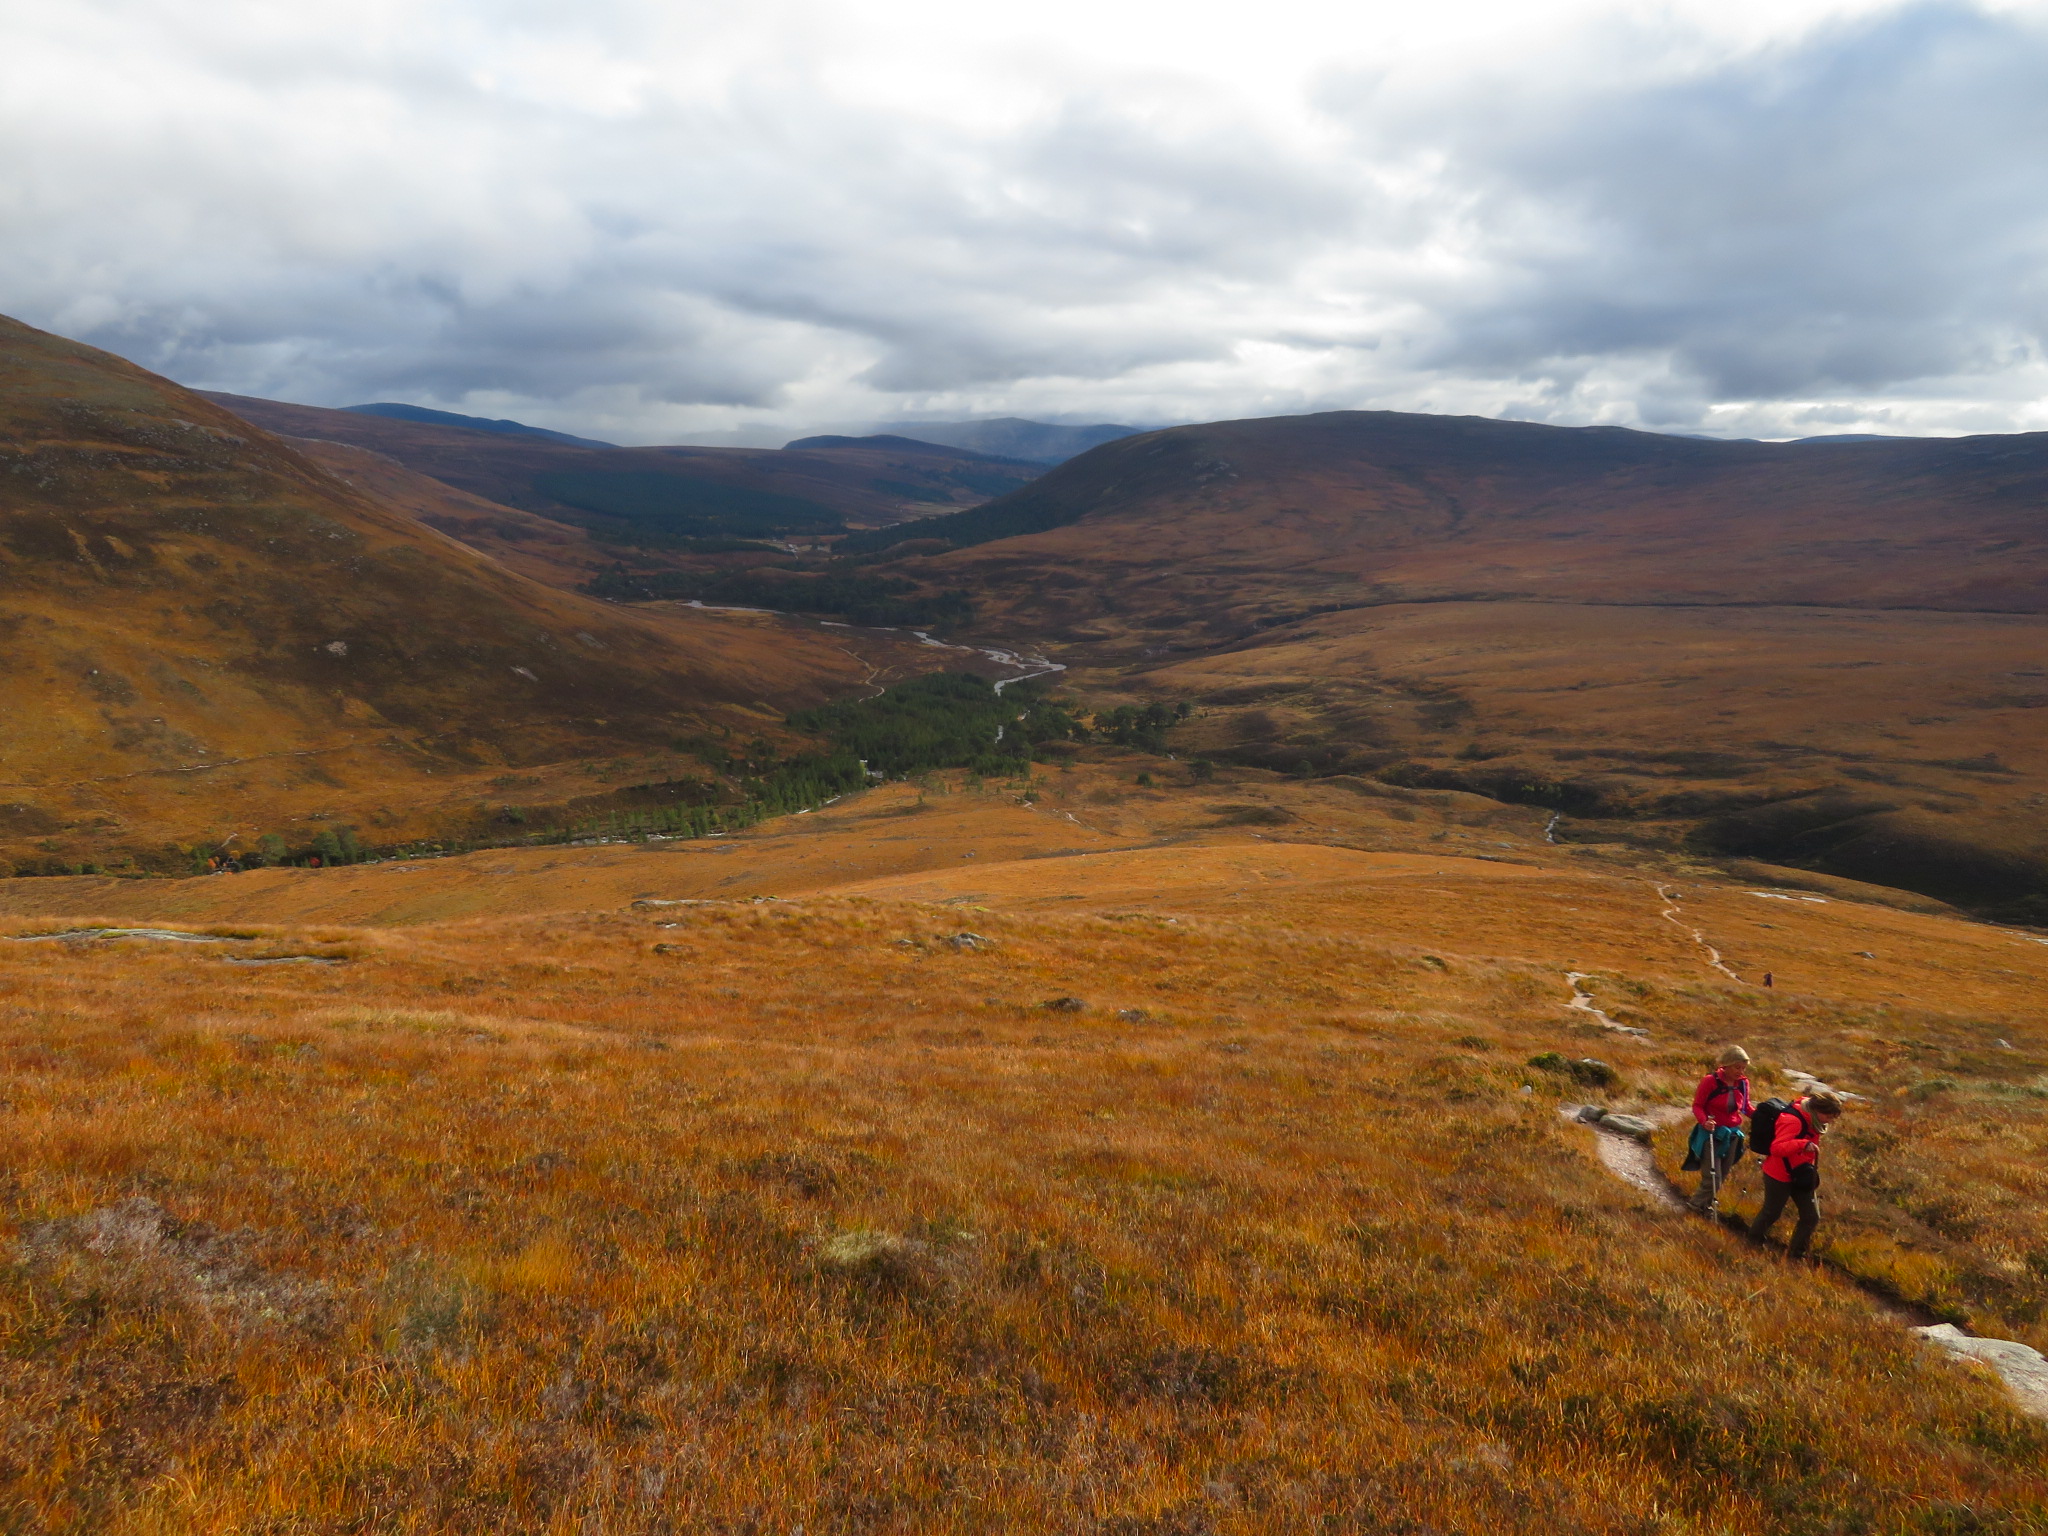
[(691, 490), (1013, 437), (396, 412), (889, 442), (1422, 506)]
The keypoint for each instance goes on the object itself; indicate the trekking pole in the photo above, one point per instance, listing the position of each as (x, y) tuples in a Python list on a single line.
[(1712, 1204)]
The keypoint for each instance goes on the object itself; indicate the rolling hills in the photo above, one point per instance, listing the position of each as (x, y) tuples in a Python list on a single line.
[(1170, 1138), (208, 634), (680, 491), (1367, 506), (1825, 653)]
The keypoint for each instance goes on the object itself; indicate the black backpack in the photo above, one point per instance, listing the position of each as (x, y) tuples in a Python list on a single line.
[(1763, 1125)]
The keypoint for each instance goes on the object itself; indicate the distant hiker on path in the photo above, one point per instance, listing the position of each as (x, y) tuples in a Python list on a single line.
[(1767, 978), (1719, 1106), (1792, 1170)]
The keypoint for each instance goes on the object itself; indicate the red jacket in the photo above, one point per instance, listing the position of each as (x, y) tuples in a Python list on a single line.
[(1734, 1101), (1794, 1144)]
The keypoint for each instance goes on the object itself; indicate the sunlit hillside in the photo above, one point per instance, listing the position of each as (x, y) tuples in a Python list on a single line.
[(1051, 1152), (209, 636)]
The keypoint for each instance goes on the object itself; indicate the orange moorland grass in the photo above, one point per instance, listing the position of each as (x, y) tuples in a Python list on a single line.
[(758, 1217)]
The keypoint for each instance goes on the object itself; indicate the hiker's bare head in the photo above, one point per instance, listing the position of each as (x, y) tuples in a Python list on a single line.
[(1825, 1105), (1734, 1062)]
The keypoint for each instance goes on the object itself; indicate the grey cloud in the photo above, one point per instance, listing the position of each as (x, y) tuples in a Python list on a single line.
[(1865, 209), (686, 258), (1850, 216)]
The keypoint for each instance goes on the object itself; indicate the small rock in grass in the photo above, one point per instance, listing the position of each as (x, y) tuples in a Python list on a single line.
[(1063, 1005), (1591, 1114), (1132, 1015)]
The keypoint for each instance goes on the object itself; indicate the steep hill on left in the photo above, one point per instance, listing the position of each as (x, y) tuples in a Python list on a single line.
[(205, 636)]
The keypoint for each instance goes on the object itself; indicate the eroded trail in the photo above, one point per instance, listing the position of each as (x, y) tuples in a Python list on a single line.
[(1670, 914), (1582, 1002), (1632, 1161)]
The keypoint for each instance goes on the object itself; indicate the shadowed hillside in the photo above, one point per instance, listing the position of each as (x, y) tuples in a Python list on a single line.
[(1828, 654), (681, 491), (1253, 518), (205, 631)]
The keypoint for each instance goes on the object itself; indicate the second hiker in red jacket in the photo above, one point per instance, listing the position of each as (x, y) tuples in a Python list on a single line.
[(1719, 1106), (1792, 1170)]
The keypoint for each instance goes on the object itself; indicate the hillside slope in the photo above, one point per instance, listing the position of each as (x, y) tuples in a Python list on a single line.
[(396, 411), (1829, 654), (1156, 1172), (556, 554), (204, 631), (1378, 506)]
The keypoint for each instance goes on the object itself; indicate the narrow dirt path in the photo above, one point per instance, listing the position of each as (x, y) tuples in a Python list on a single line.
[(1630, 1160), (875, 689), (1697, 935), (1582, 1002), (2022, 1369)]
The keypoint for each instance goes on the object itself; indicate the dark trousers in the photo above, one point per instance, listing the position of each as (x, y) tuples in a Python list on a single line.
[(1776, 1193)]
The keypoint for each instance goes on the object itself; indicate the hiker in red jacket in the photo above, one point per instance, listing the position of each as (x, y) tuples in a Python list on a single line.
[(1719, 1105), (1792, 1170)]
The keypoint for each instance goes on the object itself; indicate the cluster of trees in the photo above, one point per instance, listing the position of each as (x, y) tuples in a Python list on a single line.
[(1140, 726), (328, 846), (686, 506), (941, 720), (944, 720), (640, 536), (841, 593)]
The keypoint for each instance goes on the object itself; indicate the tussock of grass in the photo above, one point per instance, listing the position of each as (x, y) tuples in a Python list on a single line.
[(877, 1244)]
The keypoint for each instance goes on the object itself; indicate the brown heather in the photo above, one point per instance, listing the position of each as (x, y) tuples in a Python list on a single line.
[(800, 1215)]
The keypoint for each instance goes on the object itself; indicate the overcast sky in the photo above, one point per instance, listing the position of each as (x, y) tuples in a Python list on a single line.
[(663, 220)]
